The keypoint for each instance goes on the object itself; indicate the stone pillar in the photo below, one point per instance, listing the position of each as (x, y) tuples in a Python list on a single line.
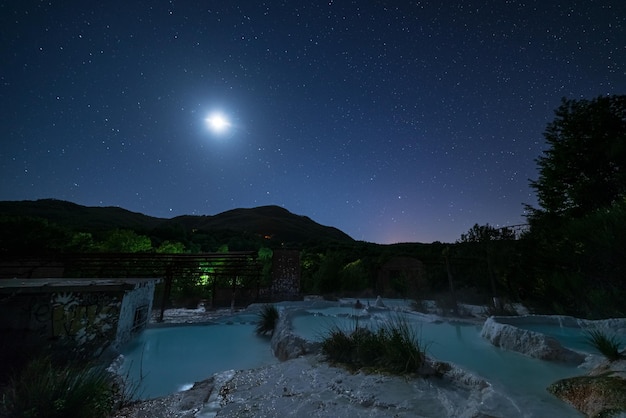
[(285, 274)]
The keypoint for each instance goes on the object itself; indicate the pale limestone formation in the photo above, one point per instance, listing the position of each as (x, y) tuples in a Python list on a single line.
[(530, 343), (285, 344)]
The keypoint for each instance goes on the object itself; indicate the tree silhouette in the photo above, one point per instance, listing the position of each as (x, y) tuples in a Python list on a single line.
[(584, 168), (578, 235)]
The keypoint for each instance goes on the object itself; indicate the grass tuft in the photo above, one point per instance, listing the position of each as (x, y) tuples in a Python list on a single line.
[(605, 344), (392, 348), (267, 320), (338, 346), (43, 389), (402, 352)]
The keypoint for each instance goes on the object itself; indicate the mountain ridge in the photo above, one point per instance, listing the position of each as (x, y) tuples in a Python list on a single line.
[(270, 221)]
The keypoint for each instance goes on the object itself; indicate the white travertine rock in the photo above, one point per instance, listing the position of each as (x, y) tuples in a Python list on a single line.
[(309, 387), (285, 344), (530, 343)]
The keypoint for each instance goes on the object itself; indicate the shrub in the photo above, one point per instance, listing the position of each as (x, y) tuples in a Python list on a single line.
[(393, 348), (368, 347), (338, 346), (607, 345), (43, 389), (267, 320)]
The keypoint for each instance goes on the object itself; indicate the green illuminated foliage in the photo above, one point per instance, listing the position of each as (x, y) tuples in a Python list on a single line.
[(125, 241)]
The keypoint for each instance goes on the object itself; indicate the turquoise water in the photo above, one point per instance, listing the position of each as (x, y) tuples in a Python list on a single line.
[(574, 338), (339, 311), (167, 360), (461, 344), (570, 337), (389, 303)]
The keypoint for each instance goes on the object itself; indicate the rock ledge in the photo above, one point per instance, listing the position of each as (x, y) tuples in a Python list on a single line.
[(530, 343)]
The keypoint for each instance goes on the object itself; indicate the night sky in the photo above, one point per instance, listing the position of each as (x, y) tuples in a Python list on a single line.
[(394, 121)]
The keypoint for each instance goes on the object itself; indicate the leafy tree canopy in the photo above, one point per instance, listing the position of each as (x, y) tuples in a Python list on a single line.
[(576, 244), (125, 241), (584, 168), (171, 247), (484, 233)]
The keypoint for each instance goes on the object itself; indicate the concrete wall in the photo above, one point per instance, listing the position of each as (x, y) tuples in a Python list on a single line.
[(134, 312)]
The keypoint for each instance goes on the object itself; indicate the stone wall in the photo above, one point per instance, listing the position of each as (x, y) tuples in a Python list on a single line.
[(82, 322), (78, 317)]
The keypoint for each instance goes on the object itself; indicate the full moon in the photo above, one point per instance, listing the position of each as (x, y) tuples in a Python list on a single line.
[(218, 123)]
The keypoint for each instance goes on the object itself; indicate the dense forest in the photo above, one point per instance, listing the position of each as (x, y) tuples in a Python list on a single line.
[(569, 259)]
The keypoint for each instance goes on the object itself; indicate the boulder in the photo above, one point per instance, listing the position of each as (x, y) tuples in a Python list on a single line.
[(601, 393), (285, 344)]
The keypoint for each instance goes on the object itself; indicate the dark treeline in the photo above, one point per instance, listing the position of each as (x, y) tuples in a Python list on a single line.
[(482, 265), (327, 267)]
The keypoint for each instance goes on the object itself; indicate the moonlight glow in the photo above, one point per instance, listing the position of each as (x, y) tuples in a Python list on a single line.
[(218, 123)]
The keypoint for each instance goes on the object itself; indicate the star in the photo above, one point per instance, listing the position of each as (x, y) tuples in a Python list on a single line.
[(421, 130)]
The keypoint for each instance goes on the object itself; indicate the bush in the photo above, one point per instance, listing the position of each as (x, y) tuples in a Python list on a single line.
[(44, 390), (393, 348), (267, 320), (607, 345)]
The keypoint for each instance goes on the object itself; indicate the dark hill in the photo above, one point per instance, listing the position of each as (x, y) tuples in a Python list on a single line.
[(72, 215), (266, 221), (272, 222)]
